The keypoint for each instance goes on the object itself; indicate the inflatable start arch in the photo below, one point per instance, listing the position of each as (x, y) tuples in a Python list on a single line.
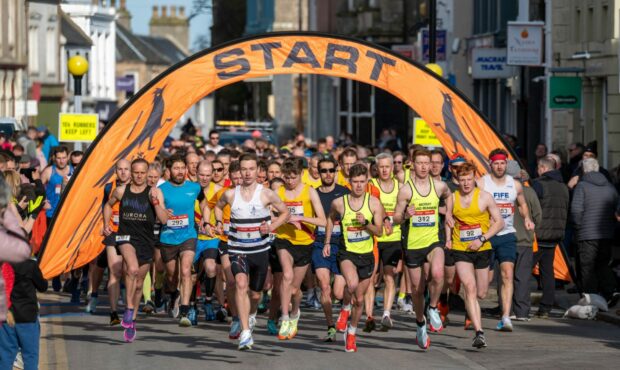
[(140, 127)]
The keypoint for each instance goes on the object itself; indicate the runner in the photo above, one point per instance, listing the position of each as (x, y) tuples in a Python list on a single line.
[(325, 266), (451, 284), (294, 241), (248, 239), (192, 159), (226, 274), (390, 246), (507, 192), (110, 257), (273, 170), (477, 219), (361, 216), (207, 246), (178, 236), (139, 205), (219, 174), (424, 255), (346, 160), (311, 175), (55, 179)]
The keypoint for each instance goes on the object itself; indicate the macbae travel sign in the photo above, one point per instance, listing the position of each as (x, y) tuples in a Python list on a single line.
[(525, 43)]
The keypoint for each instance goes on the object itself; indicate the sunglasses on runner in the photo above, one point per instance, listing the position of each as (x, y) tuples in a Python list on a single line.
[(326, 170), (219, 169)]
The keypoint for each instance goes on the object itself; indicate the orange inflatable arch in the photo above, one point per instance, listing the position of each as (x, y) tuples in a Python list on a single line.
[(140, 127)]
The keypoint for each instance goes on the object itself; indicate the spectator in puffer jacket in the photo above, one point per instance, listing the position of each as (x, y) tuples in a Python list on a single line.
[(593, 213)]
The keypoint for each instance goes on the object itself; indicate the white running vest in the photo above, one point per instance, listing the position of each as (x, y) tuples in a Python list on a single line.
[(506, 198), (245, 220)]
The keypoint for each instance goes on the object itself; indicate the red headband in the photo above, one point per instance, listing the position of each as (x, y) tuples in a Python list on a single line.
[(498, 157)]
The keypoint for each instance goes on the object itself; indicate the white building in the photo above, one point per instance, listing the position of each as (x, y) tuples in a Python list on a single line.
[(97, 19)]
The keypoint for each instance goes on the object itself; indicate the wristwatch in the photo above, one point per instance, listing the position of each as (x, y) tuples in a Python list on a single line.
[(482, 239), (366, 222)]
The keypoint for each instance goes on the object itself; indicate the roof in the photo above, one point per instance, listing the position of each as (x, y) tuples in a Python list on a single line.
[(146, 49), (73, 33)]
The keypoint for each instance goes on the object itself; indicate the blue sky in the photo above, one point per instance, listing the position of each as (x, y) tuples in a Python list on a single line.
[(141, 11)]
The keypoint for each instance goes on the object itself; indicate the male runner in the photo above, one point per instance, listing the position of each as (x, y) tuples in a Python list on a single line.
[(346, 160), (311, 174), (294, 241), (219, 173), (325, 266), (139, 205), (178, 235), (390, 246), (248, 238), (476, 219), (192, 160), (361, 217), (419, 203), (110, 257), (506, 191)]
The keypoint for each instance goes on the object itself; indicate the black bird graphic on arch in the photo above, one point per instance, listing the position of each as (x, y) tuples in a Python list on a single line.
[(453, 130), (154, 122)]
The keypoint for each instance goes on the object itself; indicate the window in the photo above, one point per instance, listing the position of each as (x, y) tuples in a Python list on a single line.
[(590, 28), (605, 23), (33, 52), (577, 25), (51, 55)]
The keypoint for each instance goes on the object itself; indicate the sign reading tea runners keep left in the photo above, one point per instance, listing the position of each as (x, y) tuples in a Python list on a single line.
[(77, 127)]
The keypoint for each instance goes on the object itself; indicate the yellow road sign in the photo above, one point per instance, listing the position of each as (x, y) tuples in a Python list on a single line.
[(77, 127), (423, 134)]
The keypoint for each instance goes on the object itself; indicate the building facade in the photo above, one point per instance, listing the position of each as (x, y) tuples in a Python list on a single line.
[(13, 58), (586, 35), (96, 18)]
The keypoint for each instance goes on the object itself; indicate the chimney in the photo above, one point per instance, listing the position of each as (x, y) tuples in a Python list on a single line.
[(175, 26), (155, 12), (164, 11), (173, 11), (181, 12), (124, 17)]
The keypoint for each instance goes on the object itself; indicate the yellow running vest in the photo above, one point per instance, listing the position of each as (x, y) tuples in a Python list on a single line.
[(424, 224), (354, 235), (389, 201), (469, 223), (208, 192), (300, 206), (308, 180)]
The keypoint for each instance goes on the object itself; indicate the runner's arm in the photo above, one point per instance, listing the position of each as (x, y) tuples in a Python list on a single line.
[(378, 214), (220, 204), (107, 208), (158, 203), (448, 227), (283, 213), (404, 194), (446, 195), (319, 220), (335, 211)]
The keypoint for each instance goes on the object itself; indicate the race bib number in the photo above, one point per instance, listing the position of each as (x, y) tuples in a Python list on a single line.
[(356, 234), (178, 222), (123, 238), (320, 230), (115, 218), (468, 233), (506, 209), (57, 189), (248, 234), (423, 218), (295, 208)]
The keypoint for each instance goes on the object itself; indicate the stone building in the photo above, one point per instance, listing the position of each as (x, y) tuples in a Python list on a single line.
[(13, 57)]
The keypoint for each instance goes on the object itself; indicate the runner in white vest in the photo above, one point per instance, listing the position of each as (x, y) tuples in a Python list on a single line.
[(507, 193)]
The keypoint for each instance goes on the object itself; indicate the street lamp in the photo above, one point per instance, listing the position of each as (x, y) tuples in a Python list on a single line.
[(78, 66)]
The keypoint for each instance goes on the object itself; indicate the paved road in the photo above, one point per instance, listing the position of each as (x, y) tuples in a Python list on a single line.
[(74, 340)]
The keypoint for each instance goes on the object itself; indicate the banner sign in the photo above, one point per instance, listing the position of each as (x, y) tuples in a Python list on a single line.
[(77, 128), (565, 92), (140, 127), (525, 43)]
